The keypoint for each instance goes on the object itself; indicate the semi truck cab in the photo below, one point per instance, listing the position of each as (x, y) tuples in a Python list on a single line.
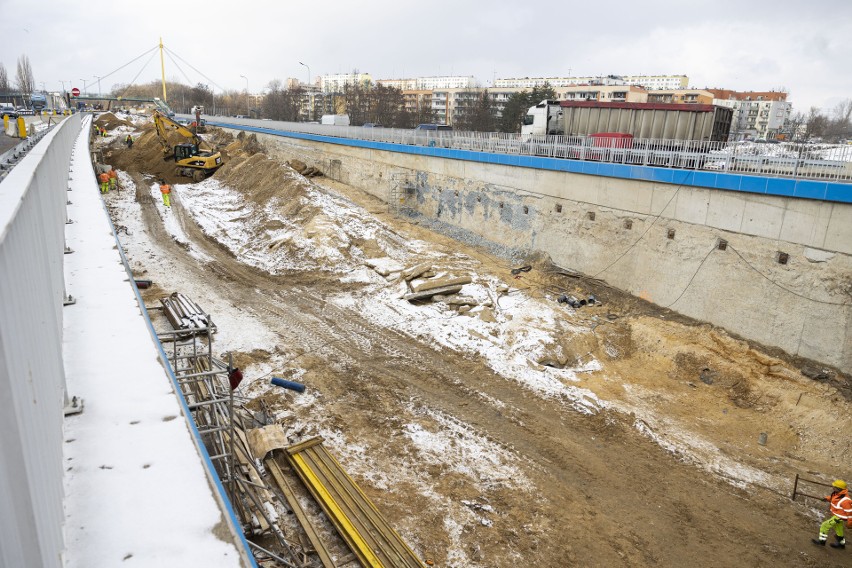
[(543, 118)]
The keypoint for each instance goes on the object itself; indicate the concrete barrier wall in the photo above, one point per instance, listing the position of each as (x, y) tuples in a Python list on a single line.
[(802, 306), (32, 379)]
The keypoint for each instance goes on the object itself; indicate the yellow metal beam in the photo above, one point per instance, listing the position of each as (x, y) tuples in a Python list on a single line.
[(359, 545)]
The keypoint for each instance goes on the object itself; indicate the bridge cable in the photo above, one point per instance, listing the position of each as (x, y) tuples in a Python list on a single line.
[(194, 69), (137, 75), (129, 62)]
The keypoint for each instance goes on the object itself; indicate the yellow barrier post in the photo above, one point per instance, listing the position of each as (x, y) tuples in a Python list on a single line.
[(5, 122), (22, 127)]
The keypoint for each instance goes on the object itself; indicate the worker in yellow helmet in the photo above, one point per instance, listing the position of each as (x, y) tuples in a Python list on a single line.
[(840, 505)]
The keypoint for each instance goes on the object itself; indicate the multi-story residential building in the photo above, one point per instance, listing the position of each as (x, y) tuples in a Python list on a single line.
[(681, 96), (757, 114), (657, 82), (431, 83), (646, 81), (603, 93), (336, 83)]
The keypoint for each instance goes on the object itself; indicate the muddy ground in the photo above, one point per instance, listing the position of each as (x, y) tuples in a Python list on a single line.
[(656, 462)]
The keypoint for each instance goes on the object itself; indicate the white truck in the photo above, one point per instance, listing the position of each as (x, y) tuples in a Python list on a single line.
[(543, 118), (335, 119)]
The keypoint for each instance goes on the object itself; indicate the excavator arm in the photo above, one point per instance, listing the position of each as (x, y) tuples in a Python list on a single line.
[(164, 125), (193, 158)]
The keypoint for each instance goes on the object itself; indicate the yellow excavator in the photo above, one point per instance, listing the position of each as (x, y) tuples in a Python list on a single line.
[(192, 159)]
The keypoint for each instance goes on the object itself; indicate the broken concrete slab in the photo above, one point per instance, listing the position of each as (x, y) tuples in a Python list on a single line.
[(429, 293), (433, 283), (384, 265), (462, 301), (415, 271)]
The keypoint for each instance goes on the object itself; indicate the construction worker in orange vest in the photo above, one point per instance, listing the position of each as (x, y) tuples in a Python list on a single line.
[(113, 179), (840, 505), (104, 179), (165, 189)]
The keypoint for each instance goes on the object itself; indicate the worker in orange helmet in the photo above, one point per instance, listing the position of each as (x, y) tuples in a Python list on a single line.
[(840, 505), (113, 179), (165, 189), (103, 178)]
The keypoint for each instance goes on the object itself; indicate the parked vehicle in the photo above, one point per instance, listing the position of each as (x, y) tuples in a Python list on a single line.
[(8, 110), (335, 119), (38, 101), (642, 120), (437, 127)]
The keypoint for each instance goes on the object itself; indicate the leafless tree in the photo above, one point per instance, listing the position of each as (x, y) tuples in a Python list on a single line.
[(4, 79), (795, 124), (816, 123), (24, 76)]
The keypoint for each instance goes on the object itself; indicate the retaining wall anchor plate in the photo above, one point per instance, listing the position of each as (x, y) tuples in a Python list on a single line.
[(74, 407)]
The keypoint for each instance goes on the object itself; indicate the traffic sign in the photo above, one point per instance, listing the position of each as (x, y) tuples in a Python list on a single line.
[(75, 91)]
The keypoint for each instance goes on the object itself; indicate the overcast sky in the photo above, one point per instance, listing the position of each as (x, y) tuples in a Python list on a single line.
[(742, 45)]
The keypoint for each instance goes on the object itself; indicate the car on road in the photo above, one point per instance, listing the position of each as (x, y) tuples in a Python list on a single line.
[(8, 110), (439, 127)]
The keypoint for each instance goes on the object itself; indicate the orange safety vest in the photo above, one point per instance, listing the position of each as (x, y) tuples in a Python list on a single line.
[(165, 188), (112, 174), (841, 504), (104, 178)]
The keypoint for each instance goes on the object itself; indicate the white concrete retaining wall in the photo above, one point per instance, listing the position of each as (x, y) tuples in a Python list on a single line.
[(802, 307), (32, 380)]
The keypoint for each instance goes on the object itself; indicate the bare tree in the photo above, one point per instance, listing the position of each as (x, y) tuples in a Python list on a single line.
[(815, 124), (4, 79), (24, 76), (795, 123), (840, 126)]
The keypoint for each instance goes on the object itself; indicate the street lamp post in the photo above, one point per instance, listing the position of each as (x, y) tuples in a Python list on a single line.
[(99, 84), (310, 93), (84, 84), (309, 71), (248, 111)]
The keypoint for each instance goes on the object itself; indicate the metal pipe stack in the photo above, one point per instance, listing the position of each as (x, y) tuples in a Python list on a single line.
[(184, 314)]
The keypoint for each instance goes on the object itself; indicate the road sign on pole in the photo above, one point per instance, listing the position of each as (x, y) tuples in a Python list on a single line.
[(75, 92)]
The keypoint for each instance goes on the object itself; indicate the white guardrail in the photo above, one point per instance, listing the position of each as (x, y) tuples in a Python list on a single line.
[(32, 377), (827, 162)]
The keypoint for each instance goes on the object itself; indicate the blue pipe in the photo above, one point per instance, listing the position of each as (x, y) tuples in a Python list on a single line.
[(291, 385)]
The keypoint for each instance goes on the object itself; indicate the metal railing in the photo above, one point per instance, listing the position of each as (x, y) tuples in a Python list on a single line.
[(825, 162)]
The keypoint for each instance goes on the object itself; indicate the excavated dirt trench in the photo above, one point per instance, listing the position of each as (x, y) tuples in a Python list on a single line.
[(667, 471)]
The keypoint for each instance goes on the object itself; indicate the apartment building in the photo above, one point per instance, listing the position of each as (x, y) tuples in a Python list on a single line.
[(657, 82), (763, 115), (646, 81), (431, 83), (681, 96), (336, 83)]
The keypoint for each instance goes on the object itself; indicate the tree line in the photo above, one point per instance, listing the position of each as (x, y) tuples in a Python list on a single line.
[(475, 110), (24, 78), (831, 126)]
